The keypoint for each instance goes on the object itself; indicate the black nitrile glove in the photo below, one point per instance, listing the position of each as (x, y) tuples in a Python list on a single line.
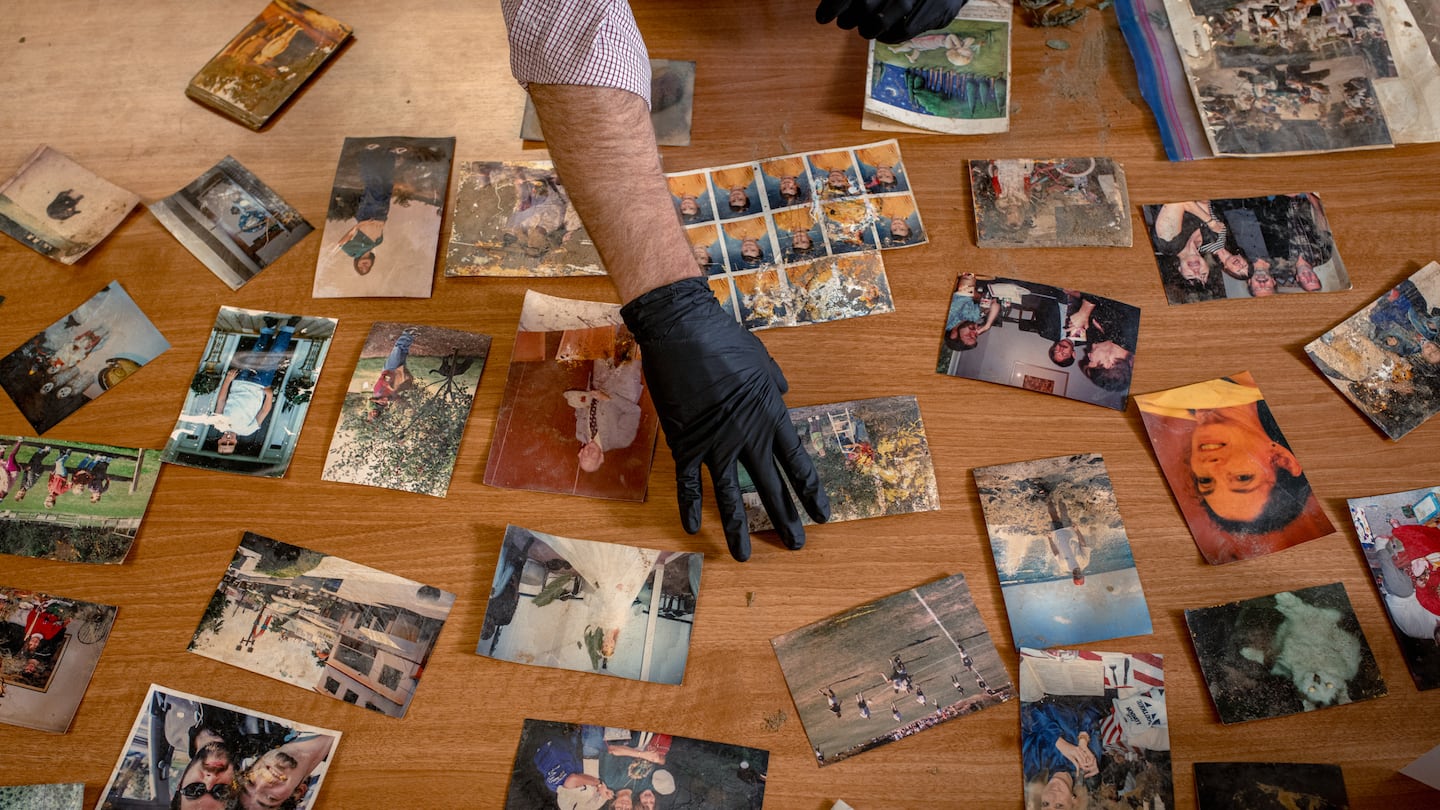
[(718, 394), (889, 21)]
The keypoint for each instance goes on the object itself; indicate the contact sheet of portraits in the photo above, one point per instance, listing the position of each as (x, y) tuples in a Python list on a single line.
[(1238, 483), (796, 239), (194, 751)]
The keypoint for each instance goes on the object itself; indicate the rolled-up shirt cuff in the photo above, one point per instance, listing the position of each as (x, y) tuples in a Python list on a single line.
[(586, 42)]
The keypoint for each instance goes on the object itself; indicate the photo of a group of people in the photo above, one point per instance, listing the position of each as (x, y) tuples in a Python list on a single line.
[(406, 408), (672, 99), (60, 209), (515, 219), (1054, 202), (1237, 482), (1249, 247), (749, 222), (1385, 358), (49, 646), (232, 222), (80, 357), (190, 752), (591, 607), (253, 76), (843, 670), (1094, 730), (323, 623), (1285, 78), (1289, 652), (871, 455), (383, 226), (576, 417), (248, 399), (1040, 338), (95, 497), (1399, 535), (587, 767), (1267, 785), (953, 79), (1061, 551)]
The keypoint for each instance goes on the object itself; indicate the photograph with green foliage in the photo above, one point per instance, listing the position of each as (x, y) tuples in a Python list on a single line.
[(88, 505), (405, 409)]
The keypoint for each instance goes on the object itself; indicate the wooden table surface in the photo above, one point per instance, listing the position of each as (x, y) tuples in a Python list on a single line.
[(104, 82)]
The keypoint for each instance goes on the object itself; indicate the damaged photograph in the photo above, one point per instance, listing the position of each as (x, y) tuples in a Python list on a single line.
[(49, 646), (1400, 537), (1054, 202), (60, 209), (514, 219)]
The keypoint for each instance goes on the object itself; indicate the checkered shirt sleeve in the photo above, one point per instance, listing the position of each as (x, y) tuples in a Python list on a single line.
[(586, 42)]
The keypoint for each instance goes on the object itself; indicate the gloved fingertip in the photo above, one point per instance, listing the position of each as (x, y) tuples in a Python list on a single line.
[(690, 516), (818, 507), (793, 536), (739, 544)]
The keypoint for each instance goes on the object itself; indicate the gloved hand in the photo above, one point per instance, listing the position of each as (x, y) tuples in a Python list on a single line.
[(718, 394), (889, 21)]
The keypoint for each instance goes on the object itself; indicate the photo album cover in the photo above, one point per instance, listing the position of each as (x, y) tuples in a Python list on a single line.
[(49, 646), (871, 455), (591, 607), (1399, 535), (953, 80), (1290, 652), (323, 623), (672, 98), (60, 209), (1054, 202), (253, 76), (406, 407), (189, 751), (575, 417), (233, 223), (841, 671), (80, 357), (1041, 338), (1385, 358), (515, 219), (95, 497), (1251, 247), (1061, 552), (585, 767), (1235, 478), (248, 399), (382, 229), (1093, 726)]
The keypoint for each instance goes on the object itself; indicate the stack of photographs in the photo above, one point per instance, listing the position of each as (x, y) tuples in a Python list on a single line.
[(589, 767), (80, 357), (1227, 785), (1385, 358), (60, 209), (1040, 338), (253, 76), (383, 226), (1400, 538), (1251, 247), (232, 222), (323, 623), (406, 407), (954, 79), (841, 671), (772, 235), (672, 97), (514, 219), (95, 497), (871, 455), (1290, 652), (1054, 202), (1238, 484), (189, 751), (49, 646), (248, 399), (576, 417), (1061, 552), (1094, 726), (591, 607)]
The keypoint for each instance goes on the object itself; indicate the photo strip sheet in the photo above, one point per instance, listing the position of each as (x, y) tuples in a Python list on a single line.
[(794, 239)]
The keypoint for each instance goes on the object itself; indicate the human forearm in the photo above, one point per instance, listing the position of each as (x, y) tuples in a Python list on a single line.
[(603, 146)]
